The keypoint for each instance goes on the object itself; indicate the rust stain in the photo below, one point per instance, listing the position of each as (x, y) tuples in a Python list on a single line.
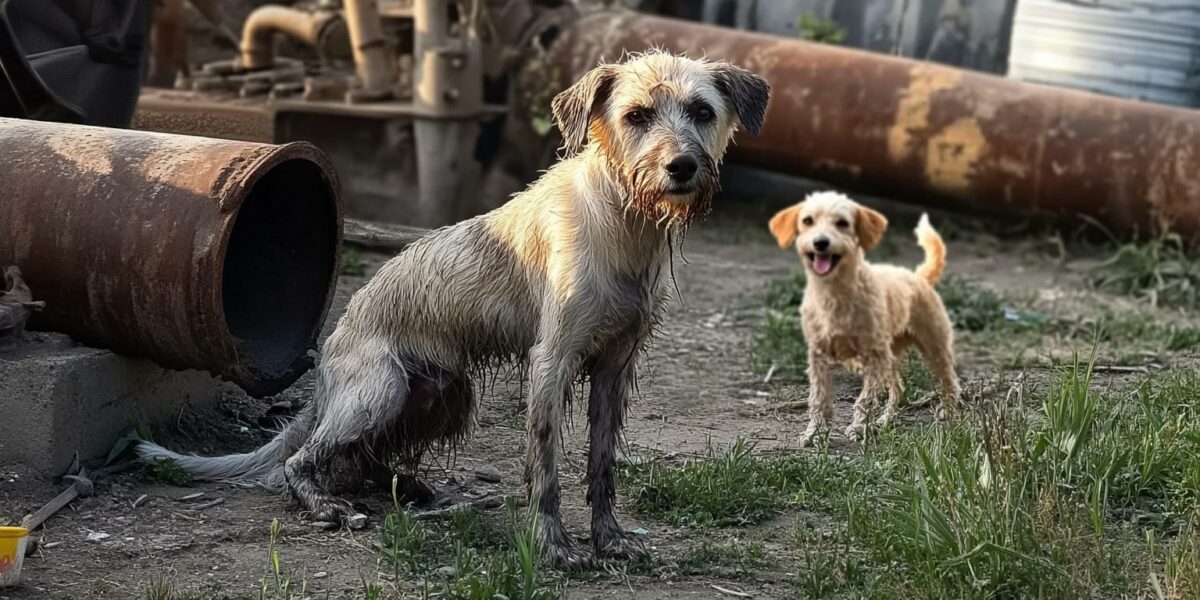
[(951, 155), (912, 111)]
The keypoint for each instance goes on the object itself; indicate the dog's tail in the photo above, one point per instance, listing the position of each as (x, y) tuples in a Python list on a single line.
[(935, 251), (263, 467)]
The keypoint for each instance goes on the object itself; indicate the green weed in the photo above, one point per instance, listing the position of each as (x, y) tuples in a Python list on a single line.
[(165, 471), (481, 560), (816, 29), (732, 559), (1160, 270), (353, 264), (971, 306)]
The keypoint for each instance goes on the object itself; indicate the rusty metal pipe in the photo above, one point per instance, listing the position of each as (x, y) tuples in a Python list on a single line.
[(258, 33), (369, 48), (193, 252), (927, 133)]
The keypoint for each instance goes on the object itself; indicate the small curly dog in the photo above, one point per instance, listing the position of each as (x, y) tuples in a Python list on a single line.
[(861, 315)]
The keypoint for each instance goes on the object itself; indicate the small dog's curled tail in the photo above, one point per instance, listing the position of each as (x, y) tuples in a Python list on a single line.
[(935, 251)]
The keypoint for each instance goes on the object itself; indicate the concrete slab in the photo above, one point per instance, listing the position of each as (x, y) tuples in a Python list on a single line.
[(57, 398)]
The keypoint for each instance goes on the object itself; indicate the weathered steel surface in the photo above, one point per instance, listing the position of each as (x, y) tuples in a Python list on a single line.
[(196, 253), (926, 133), (1140, 49)]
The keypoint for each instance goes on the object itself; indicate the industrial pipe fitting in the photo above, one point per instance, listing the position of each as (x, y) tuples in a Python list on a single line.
[(193, 252), (258, 33)]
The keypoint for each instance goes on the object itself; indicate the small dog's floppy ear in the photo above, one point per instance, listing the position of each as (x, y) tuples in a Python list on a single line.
[(573, 107), (869, 225), (783, 225), (747, 92)]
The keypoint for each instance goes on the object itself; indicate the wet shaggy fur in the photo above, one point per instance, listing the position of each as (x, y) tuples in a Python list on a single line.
[(862, 315), (567, 278)]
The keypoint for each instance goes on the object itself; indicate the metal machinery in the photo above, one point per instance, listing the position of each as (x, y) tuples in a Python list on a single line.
[(379, 80)]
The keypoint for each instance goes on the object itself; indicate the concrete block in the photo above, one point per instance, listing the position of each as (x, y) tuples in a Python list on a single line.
[(57, 398)]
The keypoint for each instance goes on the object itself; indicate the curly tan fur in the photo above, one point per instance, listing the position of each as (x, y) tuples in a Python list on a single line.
[(862, 315), (567, 278)]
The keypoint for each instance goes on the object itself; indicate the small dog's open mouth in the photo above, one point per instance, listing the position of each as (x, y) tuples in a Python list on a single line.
[(822, 264)]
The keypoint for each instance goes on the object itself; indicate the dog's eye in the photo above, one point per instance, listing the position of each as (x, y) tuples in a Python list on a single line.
[(703, 114), (842, 223), (807, 221), (638, 117)]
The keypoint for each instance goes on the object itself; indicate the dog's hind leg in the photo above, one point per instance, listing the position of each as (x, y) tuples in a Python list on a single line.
[(362, 394), (940, 358), (612, 376), (820, 397)]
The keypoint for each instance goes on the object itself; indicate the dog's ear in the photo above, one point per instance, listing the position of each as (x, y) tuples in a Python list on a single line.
[(573, 107), (783, 225), (869, 225), (747, 92)]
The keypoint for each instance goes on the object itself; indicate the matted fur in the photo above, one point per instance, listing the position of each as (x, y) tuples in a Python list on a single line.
[(568, 278), (862, 315)]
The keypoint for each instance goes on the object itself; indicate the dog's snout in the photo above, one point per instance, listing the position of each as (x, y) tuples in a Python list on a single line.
[(821, 244), (683, 167)]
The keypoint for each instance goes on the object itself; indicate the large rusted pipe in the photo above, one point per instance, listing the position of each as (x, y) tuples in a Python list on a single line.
[(923, 132), (193, 252)]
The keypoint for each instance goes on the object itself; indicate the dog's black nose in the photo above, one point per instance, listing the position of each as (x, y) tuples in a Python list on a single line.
[(682, 168), (821, 244)]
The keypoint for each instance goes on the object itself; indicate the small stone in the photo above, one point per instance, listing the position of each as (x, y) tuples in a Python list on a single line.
[(447, 571), (641, 531), (320, 575), (356, 521), (487, 475), (324, 525), (97, 536)]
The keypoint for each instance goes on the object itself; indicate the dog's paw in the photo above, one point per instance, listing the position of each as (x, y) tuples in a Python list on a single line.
[(944, 413), (620, 545), (568, 555), (856, 432), (885, 420), (331, 511)]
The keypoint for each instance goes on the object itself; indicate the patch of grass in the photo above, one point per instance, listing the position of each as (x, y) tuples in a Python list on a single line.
[(731, 559), (735, 487), (779, 343), (815, 29), (730, 487), (162, 588), (1144, 328), (353, 264), (478, 560), (165, 471), (971, 306), (1160, 271)]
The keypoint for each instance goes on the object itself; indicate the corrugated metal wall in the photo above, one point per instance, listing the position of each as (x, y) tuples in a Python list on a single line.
[(967, 33), (1141, 49)]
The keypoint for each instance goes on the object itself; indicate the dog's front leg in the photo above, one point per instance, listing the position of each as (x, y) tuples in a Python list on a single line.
[(820, 396), (611, 375), (551, 373)]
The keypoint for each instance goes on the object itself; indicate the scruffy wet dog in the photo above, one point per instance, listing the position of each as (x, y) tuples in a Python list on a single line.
[(568, 277), (862, 315)]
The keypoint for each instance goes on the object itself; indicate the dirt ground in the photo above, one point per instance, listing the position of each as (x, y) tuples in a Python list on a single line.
[(697, 388)]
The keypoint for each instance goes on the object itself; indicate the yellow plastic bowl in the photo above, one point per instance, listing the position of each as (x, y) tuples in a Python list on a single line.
[(12, 554)]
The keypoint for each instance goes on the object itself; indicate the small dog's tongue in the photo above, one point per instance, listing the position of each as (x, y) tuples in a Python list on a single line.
[(822, 263)]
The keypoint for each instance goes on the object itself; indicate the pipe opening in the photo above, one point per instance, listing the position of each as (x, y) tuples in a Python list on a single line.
[(279, 264)]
